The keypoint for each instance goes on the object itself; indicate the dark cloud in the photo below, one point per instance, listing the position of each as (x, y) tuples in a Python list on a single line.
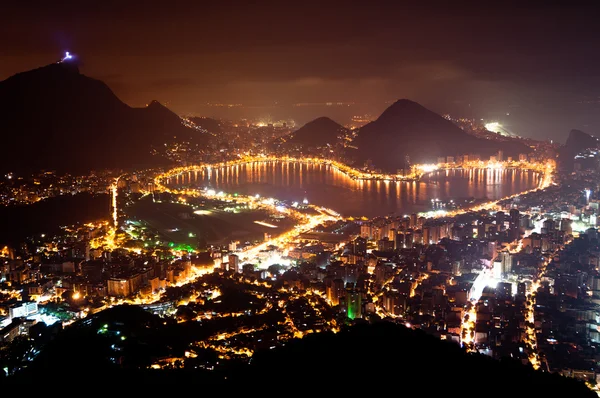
[(480, 58)]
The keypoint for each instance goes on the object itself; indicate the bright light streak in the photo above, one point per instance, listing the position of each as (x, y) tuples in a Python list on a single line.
[(115, 193), (470, 316), (265, 224), (203, 212)]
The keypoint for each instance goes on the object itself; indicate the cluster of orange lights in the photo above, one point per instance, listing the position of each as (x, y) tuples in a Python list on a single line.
[(546, 170), (416, 171)]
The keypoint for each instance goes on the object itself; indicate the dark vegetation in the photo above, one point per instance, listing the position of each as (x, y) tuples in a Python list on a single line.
[(364, 358)]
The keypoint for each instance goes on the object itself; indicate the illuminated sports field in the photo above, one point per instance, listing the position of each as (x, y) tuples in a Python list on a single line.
[(181, 223)]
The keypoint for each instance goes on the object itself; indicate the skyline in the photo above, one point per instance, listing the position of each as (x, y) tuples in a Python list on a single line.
[(536, 76), (378, 172)]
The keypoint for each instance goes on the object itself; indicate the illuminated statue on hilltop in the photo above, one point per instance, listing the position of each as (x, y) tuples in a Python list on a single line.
[(68, 56)]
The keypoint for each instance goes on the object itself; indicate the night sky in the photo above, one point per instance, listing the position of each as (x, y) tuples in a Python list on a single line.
[(539, 64)]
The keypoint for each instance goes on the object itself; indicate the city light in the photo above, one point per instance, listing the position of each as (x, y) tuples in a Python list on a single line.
[(494, 127), (149, 246), (416, 172), (264, 224)]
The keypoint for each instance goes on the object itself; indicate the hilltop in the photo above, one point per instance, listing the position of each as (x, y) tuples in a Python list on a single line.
[(579, 141), (317, 133), (54, 117), (408, 128), (320, 137)]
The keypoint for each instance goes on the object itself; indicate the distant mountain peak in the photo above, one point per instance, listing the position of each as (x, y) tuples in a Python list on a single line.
[(64, 111), (579, 141), (576, 132), (405, 108), (405, 102), (406, 128), (323, 121), (156, 108), (155, 104), (317, 133)]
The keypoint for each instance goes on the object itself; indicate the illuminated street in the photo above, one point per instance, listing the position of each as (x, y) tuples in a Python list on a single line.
[(243, 195)]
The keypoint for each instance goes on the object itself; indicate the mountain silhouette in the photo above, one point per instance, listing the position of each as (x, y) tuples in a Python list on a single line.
[(56, 118), (317, 133), (579, 141), (212, 126), (408, 128)]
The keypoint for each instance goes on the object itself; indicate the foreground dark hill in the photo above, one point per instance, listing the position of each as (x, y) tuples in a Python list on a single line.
[(362, 359), (407, 128), (54, 117), (394, 358), (317, 133), (46, 216)]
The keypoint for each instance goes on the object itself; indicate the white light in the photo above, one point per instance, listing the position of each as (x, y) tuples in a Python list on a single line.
[(211, 192), (201, 213), (428, 168), (67, 56), (493, 127), (265, 224)]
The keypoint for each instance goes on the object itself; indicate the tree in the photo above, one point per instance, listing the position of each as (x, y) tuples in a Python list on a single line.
[(185, 313), (275, 269), (13, 356)]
